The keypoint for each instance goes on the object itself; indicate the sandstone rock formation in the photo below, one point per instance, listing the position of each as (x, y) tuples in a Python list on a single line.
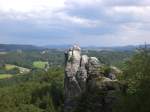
[(83, 73)]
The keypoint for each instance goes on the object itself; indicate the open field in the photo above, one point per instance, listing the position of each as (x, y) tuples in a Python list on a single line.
[(9, 66), (3, 53), (4, 76), (40, 64), (22, 70)]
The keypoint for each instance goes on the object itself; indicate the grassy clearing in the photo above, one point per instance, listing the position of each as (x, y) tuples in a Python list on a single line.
[(21, 69), (3, 53), (9, 67), (4, 76), (40, 64)]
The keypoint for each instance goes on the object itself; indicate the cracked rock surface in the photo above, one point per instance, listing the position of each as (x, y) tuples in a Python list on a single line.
[(82, 73)]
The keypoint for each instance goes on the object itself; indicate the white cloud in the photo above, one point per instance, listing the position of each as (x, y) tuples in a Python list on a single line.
[(142, 11), (30, 9), (126, 2), (30, 5), (83, 2), (83, 22), (109, 22), (36, 9)]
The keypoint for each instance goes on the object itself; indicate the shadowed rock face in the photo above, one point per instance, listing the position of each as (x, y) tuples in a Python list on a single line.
[(81, 74)]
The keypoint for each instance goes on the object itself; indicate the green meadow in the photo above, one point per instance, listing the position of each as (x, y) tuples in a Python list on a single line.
[(40, 64), (5, 76)]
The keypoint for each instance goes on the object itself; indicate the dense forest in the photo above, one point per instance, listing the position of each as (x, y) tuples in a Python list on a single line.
[(36, 92), (41, 90), (136, 75)]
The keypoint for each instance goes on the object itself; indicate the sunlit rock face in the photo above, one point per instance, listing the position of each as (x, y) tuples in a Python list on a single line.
[(73, 56), (82, 74), (72, 86)]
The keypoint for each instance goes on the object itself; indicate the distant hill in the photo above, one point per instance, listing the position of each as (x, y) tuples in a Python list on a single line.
[(14, 47), (65, 46), (97, 48), (117, 48)]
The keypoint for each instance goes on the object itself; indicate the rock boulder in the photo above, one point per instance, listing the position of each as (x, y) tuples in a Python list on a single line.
[(82, 73)]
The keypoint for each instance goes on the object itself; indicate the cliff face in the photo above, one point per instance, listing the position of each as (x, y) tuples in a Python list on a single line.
[(83, 74)]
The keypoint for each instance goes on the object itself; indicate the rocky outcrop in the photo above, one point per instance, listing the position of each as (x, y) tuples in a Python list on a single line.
[(83, 73)]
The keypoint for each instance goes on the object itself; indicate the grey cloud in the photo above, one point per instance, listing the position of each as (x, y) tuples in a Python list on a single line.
[(126, 2), (96, 23)]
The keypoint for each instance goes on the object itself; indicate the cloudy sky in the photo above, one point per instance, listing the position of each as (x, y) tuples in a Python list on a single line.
[(87, 22)]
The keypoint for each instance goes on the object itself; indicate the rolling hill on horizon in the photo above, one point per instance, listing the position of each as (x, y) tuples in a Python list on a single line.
[(14, 47)]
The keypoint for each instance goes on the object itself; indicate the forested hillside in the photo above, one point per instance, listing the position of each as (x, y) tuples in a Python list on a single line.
[(42, 90), (136, 75), (35, 92)]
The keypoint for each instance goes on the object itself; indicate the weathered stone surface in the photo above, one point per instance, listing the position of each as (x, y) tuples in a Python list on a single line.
[(75, 72), (72, 87), (82, 74), (93, 67)]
